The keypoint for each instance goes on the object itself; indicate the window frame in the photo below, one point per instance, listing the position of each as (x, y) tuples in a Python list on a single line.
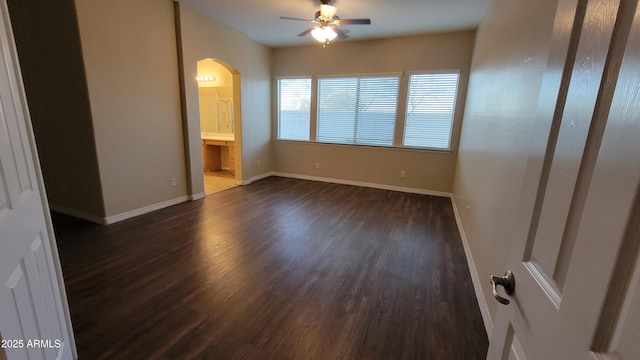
[(402, 104)]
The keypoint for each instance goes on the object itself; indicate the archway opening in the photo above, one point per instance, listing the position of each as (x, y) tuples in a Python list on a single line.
[(218, 118)]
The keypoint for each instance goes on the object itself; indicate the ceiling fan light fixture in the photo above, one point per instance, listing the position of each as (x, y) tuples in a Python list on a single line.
[(327, 11), (323, 34)]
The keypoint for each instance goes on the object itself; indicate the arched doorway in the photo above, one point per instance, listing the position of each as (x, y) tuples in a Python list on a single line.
[(218, 118)]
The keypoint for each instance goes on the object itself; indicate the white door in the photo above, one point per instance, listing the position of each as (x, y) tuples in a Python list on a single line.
[(34, 320), (574, 252)]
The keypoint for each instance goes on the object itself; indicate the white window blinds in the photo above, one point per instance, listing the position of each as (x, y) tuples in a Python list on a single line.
[(430, 108), (294, 100), (357, 110)]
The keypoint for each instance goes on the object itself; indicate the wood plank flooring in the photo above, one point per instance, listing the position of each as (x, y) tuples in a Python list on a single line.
[(279, 269)]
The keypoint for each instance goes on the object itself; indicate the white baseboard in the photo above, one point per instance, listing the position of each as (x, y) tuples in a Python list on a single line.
[(478, 285), (256, 178), (199, 196), (78, 214), (143, 210), (365, 184)]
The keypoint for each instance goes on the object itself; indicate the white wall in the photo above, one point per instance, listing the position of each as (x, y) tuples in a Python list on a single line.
[(512, 46), (205, 38), (425, 170), (130, 58)]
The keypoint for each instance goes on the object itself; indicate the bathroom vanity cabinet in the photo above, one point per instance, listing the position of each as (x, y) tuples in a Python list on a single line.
[(212, 154)]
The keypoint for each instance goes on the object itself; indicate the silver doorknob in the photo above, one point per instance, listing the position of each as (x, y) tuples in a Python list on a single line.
[(508, 282)]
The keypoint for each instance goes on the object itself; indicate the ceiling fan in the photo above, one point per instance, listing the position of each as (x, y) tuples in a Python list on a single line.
[(325, 24)]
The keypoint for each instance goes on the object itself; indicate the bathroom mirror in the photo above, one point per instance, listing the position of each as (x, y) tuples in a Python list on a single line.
[(216, 111)]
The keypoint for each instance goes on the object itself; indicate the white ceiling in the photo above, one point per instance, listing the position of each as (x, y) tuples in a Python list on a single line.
[(260, 19)]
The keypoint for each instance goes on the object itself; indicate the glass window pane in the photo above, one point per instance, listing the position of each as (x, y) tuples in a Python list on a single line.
[(294, 100), (357, 110), (430, 109)]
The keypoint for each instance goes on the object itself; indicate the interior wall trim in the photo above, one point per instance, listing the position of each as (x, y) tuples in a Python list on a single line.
[(78, 214), (198, 196), (478, 285), (365, 184), (143, 210), (256, 178)]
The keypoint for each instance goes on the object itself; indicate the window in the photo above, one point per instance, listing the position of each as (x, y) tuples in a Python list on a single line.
[(363, 109), (430, 107), (357, 110), (294, 99)]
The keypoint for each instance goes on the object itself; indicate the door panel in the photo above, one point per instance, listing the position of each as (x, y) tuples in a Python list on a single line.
[(575, 247), (32, 308), (513, 350), (548, 240)]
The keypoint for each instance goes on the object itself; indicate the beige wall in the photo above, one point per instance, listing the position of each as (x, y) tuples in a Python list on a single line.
[(131, 65), (510, 55), (48, 45), (426, 170), (205, 38)]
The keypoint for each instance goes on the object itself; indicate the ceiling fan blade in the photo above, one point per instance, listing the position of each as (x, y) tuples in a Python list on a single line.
[(354, 21), (306, 31), (294, 18), (341, 34)]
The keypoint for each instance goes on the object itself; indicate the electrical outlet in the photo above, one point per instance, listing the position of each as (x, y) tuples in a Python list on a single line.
[(173, 182), (402, 174), (317, 165), (258, 163)]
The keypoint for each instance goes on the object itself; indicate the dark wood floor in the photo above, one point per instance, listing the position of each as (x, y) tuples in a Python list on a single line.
[(279, 269)]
